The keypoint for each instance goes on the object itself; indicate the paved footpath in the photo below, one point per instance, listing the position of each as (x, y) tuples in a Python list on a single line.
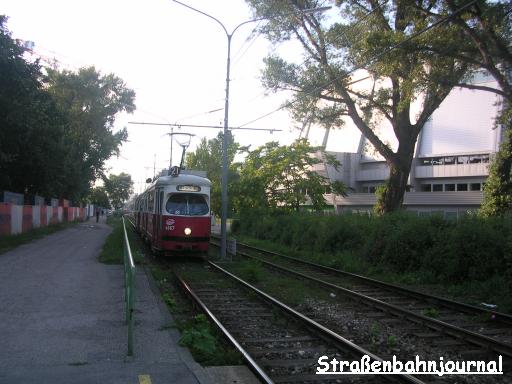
[(62, 318)]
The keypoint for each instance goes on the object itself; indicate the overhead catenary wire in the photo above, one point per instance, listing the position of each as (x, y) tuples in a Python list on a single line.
[(205, 126), (249, 41)]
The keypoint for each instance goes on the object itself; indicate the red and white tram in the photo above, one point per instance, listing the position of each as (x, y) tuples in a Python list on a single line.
[(173, 214)]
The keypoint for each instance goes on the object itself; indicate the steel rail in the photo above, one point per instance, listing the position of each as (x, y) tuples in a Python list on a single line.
[(475, 338), (255, 368), (325, 332), (450, 304)]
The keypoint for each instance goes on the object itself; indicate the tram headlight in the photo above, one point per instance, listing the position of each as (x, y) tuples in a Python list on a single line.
[(188, 231)]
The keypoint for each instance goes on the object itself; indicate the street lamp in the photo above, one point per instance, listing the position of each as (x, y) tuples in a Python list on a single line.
[(224, 175)]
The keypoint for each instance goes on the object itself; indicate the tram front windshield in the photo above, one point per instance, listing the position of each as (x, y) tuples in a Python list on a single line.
[(187, 204)]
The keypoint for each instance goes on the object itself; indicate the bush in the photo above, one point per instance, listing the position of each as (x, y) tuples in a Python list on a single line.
[(199, 337), (439, 250), (252, 271)]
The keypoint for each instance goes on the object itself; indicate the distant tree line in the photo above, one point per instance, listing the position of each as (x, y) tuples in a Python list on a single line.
[(114, 193), (56, 126)]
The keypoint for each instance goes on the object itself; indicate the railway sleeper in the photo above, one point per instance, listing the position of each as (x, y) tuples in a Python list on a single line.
[(242, 309), (481, 329), (326, 379), (293, 339), (305, 350), (250, 315), (288, 362)]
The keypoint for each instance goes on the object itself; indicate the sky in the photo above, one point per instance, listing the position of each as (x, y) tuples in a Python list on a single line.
[(175, 61)]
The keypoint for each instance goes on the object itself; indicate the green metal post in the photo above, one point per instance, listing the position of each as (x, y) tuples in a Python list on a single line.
[(129, 275)]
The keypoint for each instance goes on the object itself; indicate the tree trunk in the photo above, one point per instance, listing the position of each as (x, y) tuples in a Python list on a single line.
[(391, 195)]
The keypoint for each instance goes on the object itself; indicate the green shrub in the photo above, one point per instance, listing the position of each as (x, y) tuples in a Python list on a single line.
[(252, 271), (433, 248), (198, 337)]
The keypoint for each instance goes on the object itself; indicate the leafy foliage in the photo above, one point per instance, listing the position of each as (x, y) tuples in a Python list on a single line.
[(99, 197), (56, 128), (498, 187), (118, 188), (198, 336), (375, 36), (276, 175), (91, 102), (441, 251), (484, 32), (252, 271), (31, 145), (208, 157)]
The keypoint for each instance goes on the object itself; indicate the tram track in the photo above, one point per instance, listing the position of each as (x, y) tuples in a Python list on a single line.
[(287, 354), (489, 329), (431, 333), (280, 344)]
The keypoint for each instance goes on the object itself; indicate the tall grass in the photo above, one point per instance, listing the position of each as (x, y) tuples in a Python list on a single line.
[(471, 252)]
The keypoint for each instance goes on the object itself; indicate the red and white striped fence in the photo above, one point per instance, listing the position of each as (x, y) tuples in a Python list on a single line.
[(15, 219)]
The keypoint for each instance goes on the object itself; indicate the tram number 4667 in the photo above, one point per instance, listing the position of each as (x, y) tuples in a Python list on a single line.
[(169, 225)]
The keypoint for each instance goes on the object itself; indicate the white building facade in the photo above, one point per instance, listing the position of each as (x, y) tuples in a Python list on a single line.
[(450, 165)]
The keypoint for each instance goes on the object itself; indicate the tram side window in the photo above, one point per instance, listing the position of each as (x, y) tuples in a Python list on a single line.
[(187, 204), (151, 201)]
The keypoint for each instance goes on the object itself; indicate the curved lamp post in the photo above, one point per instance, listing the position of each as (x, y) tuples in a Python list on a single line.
[(224, 178)]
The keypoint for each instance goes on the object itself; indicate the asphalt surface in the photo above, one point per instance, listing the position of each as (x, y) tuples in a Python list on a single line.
[(62, 318)]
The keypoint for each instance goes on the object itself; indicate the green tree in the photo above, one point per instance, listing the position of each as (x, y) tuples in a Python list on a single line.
[(484, 44), (31, 126), (208, 157), (382, 39), (276, 175), (56, 129), (118, 188), (99, 197), (91, 102)]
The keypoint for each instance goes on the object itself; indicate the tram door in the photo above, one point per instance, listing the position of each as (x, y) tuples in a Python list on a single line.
[(159, 197)]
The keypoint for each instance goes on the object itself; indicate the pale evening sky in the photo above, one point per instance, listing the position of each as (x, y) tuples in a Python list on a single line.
[(175, 60)]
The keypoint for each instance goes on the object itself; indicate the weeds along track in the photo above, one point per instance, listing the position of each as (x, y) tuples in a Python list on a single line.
[(436, 324), (280, 344)]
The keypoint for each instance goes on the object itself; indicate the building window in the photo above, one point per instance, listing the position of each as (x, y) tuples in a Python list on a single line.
[(462, 159), (449, 160), (462, 187), (450, 215), (426, 188), (369, 189), (475, 186), (437, 187), (449, 187)]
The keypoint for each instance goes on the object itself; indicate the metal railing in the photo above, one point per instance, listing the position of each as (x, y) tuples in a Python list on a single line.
[(129, 290)]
